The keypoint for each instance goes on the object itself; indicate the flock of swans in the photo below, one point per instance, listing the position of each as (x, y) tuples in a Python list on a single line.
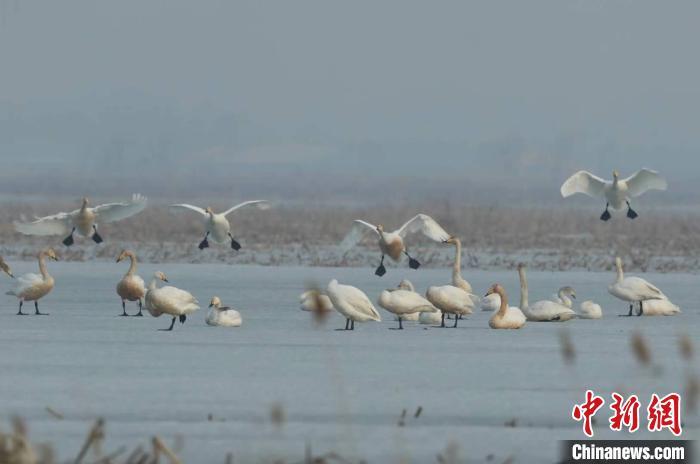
[(454, 300)]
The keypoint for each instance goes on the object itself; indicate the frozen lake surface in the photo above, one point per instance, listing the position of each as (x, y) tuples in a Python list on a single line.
[(340, 391)]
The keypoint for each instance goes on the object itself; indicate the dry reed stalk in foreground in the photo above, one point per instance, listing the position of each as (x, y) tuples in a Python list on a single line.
[(641, 349)]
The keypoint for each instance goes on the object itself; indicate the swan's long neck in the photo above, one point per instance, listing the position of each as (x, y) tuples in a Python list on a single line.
[(42, 266), (504, 304), (523, 289), (620, 272), (132, 266), (152, 285), (457, 266)]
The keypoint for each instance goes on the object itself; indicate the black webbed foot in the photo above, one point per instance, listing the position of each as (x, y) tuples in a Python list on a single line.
[(605, 216), (96, 238), (631, 213), (381, 270), (204, 244), (68, 241), (183, 318), (234, 244), (413, 263)]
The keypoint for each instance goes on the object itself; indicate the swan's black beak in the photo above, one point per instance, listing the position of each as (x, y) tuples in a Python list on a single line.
[(211, 305), (573, 296)]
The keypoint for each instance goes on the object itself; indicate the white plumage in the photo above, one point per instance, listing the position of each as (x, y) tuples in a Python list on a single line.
[(222, 316), (169, 300), (544, 310), (352, 303), (633, 289), (405, 303), (590, 310), (314, 300)]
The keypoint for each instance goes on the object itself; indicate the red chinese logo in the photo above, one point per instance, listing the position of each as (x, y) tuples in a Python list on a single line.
[(662, 413), (665, 413), (587, 410)]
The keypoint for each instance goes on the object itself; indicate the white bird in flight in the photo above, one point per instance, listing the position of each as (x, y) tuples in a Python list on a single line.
[(392, 243), (617, 192), (217, 225), (83, 221)]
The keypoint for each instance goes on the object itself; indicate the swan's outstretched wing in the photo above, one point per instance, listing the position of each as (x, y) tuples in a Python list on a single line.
[(58, 224), (183, 206), (5, 267), (357, 232), (644, 180), (111, 212), (260, 204), (425, 225), (583, 182)]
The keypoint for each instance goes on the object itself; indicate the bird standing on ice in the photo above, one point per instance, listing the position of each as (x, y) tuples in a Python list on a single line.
[(402, 302), (169, 300), (131, 287), (33, 287), (617, 192), (352, 303), (83, 221), (633, 289), (392, 243), (217, 225)]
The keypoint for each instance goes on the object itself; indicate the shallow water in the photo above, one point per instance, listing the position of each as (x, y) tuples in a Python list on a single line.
[(340, 391)]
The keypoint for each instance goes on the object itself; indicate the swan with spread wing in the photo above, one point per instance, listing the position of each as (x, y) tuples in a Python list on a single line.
[(617, 192), (84, 221), (392, 243), (217, 225)]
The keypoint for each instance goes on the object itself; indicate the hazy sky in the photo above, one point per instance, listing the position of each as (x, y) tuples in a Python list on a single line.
[(462, 90)]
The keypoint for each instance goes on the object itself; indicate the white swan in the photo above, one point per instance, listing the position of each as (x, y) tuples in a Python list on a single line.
[(457, 279), (6, 267), (406, 284), (352, 303), (33, 287), (633, 289), (131, 287), (222, 315), (490, 302), (617, 192), (544, 310), (217, 225), (404, 302), (564, 296), (84, 221), (507, 317), (392, 243), (590, 310), (451, 300), (169, 300), (314, 300), (662, 307)]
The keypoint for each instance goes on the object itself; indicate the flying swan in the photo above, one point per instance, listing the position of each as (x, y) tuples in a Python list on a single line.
[(169, 300), (507, 317), (617, 192), (131, 287), (222, 316), (392, 243), (352, 303), (544, 310), (633, 289), (33, 287), (217, 225), (83, 220)]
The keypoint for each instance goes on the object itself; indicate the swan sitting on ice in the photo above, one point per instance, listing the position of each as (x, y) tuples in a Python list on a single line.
[(352, 303), (6, 268), (617, 192), (216, 225), (33, 287), (314, 300), (222, 315), (169, 300), (662, 307), (544, 310), (404, 302), (490, 302), (507, 317), (83, 221), (633, 289), (392, 243), (564, 296), (590, 310), (131, 287)]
